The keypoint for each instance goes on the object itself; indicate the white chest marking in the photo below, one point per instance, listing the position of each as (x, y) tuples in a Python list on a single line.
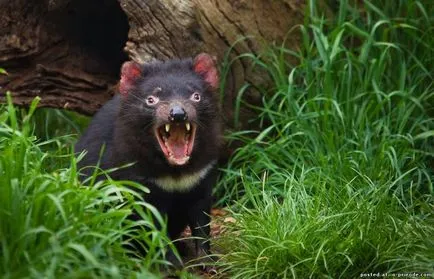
[(184, 182)]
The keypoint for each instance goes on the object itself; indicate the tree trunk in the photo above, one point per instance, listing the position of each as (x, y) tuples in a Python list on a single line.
[(69, 52)]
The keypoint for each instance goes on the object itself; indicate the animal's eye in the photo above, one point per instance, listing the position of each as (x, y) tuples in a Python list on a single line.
[(151, 100), (195, 97)]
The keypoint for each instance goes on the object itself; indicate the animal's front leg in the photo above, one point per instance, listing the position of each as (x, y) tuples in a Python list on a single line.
[(199, 222), (199, 214)]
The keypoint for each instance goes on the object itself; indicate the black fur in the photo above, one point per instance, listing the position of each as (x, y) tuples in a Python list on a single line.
[(125, 125)]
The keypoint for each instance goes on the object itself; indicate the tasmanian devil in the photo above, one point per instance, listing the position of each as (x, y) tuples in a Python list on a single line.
[(166, 121)]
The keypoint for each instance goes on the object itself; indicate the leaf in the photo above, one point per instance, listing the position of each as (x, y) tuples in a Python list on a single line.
[(230, 220), (425, 135), (85, 253)]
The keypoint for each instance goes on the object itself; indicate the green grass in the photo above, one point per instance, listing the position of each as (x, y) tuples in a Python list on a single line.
[(338, 181), (53, 227)]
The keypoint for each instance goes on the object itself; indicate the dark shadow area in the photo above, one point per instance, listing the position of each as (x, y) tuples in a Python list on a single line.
[(97, 30)]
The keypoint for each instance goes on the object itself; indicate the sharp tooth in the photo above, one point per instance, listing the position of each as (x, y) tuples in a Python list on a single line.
[(167, 127), (187, 126)]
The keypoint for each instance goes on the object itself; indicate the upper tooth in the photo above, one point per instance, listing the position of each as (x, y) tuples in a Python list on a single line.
[(187, 126), (167, 127)]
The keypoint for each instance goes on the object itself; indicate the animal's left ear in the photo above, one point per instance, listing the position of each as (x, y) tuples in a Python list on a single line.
[(204, 65)]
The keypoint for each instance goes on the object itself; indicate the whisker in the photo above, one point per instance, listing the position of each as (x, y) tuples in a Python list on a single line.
[(200, 124), (127, 121), (137, 97)]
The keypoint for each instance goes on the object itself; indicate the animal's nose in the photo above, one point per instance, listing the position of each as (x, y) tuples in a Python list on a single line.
[(177, 114)]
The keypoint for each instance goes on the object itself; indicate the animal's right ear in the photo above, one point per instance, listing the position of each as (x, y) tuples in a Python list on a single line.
[(130, 73)]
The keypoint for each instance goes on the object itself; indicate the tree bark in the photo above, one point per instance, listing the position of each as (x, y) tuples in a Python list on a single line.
[(69, 52)]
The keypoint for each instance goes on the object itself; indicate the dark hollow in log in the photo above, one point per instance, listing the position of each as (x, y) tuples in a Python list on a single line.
[(69, 53)]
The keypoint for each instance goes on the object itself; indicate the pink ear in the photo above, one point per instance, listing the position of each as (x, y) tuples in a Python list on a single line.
[(204, 65), (130, 72)]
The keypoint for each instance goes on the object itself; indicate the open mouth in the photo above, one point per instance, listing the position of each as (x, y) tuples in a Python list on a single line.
[(176, 141)]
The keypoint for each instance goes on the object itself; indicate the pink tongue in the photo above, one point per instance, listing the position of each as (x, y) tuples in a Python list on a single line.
[(176, 142), (177, 147)]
